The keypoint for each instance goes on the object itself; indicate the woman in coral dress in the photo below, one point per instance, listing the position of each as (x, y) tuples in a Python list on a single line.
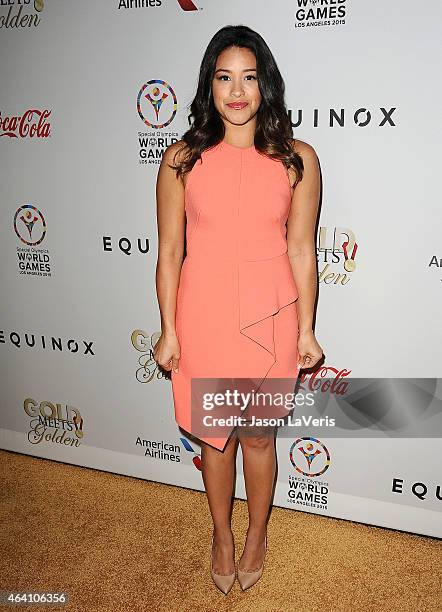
[(237, 203)]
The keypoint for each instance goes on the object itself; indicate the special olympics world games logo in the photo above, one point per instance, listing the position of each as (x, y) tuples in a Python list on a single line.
[(30, 225), (157, 104), (309, 456)]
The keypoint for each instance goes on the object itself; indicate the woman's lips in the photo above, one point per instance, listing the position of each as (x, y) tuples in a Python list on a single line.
[(237, 105)]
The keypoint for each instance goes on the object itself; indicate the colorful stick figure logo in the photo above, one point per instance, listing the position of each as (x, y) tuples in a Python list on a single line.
[(30, 225), (154, 99), (307, 451)]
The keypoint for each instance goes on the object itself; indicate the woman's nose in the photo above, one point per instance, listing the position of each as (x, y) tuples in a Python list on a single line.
[(237, 87)]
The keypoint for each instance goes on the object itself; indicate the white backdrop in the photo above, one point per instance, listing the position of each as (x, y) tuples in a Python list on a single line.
[(79, 312)]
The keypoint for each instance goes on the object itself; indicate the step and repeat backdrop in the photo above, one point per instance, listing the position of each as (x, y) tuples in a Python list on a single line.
[(91, 94)]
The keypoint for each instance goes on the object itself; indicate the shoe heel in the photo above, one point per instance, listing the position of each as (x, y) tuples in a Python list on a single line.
[(223, 581), (247, 578)]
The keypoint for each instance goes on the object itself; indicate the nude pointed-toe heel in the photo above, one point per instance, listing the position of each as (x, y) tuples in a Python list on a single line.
[(248, 578), (223, 581)]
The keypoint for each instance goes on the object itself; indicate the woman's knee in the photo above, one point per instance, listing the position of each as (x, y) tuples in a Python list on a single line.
[(217, 454), (258, 438)]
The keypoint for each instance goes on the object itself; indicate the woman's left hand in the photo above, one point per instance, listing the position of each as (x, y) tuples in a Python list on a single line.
[(310, 352)]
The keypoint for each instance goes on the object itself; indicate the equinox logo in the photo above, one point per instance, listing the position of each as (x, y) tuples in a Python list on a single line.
[(360, 117)]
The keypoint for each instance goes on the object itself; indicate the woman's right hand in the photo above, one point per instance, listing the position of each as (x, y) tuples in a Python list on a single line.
[(167, 352)]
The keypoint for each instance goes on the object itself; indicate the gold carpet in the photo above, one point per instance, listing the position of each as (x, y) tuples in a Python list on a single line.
[(120, 544)]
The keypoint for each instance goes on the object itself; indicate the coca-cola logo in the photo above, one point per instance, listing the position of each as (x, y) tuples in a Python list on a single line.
[(32, 124), (326, 379)]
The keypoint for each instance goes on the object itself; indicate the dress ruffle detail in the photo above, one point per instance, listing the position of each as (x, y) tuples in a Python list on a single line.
[(265, 286)]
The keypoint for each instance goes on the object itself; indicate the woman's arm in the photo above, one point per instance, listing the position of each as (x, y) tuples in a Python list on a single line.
[(301, 235), (171, 220)]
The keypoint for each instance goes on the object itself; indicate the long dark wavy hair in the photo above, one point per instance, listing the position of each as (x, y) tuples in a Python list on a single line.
[(273, 134)]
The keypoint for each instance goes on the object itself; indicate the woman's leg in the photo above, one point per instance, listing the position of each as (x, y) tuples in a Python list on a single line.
[(259, 461), (218, 470)]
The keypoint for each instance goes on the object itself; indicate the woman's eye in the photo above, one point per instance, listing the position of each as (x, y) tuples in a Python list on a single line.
[(225, 76)]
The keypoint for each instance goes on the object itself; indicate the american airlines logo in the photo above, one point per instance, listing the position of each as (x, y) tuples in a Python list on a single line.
[(187, 5)]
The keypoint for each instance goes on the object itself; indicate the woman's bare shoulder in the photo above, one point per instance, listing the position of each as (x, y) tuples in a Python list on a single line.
[(174, 153), (304, 149)]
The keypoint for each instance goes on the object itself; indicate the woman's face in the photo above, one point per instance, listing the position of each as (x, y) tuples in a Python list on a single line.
[(235, 88)]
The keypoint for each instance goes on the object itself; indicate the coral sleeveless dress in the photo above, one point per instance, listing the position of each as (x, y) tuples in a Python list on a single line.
[(236, 312)]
